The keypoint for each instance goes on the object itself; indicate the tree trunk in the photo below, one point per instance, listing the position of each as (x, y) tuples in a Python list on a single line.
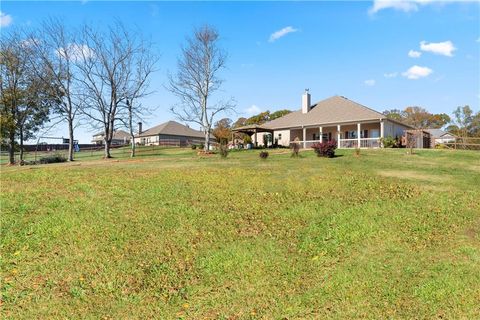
[(207, 141), (70, 143), (11, 149), (21, 145), (130, 123), (132, 140), (107, 149)]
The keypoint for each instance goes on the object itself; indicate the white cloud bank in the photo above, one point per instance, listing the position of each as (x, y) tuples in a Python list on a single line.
[(253, 110), (369, 83), (5, 19), (445, 48), (414, 54), (281, 33), (405, 6), (408, 5), (417, 72)]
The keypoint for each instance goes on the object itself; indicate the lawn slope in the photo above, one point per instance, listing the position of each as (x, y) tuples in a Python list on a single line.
[(176, 235)]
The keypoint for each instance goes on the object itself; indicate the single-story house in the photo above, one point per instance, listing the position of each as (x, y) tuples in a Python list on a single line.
[(170, 133), (120, 137), (439, 136), (337, 118)]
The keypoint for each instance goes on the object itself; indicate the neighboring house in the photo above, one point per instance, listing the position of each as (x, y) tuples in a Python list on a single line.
[(170, 133), (439, 136), (120, 137), (337, 118)]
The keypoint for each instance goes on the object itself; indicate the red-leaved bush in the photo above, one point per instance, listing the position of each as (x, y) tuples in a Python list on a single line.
[(325, 149)]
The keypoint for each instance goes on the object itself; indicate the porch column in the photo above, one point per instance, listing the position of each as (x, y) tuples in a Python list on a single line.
[(321, 134), (256, 143), (338, 135), (382, 132), (304, 137), (358, 135)]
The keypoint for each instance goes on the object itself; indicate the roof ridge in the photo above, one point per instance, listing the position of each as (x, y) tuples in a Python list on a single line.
[(353, 101)]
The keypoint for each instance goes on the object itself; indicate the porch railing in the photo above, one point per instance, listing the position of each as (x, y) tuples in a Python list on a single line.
[(345, 143), (364, 143)]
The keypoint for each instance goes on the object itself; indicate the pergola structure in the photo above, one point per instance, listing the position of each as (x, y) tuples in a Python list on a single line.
[(253, 130)]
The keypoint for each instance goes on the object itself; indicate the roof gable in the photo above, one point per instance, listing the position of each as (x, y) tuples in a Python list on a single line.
[(438, 133), (172, 128), (336, 109)]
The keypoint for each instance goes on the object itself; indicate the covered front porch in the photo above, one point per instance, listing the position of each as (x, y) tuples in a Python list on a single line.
[(254, 131), (348, 135)]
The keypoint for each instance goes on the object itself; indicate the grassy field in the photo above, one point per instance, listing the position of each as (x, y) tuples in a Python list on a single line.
[(172, 235)]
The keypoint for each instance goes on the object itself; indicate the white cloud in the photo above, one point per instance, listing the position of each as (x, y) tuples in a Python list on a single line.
[(408, 5), (76, 51), (369, 83), (417, 72), (478, 40), (5, 19), (445, 48), (405, 6), (253, 110), (280, 33), (414, 54), (390, 75)]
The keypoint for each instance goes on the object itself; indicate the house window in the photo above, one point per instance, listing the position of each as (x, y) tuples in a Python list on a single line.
[(364, 134), (350, 134), (279, 136), (375, 133)]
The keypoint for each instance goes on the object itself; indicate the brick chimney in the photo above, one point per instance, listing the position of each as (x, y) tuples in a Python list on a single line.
[(140, 128), (306, 101)]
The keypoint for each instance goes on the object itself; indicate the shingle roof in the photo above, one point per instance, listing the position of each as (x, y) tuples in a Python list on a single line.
[(336, 109), (171, 128), (117, 134), (438, 133)]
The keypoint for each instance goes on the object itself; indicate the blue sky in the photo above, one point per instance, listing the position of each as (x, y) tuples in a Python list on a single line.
[(383, 54)]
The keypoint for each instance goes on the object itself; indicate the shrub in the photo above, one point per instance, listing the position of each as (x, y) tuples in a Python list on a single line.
[(325, 149), (194, 146), (54, 158), (389, 142), (263, 155), (295, 146), (201, 146), (223, 150)]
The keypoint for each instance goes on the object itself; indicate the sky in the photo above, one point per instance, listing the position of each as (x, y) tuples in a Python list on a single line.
[(382, 54)]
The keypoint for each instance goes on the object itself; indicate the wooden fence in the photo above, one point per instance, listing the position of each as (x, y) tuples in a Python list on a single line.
[(462, 144)]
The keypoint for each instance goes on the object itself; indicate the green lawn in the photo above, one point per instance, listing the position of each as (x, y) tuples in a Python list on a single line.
[(173, 235)]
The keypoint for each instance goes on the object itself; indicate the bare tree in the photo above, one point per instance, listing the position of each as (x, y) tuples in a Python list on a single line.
[(58, 51), (106, 63), (197, 80), (139, 68)]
